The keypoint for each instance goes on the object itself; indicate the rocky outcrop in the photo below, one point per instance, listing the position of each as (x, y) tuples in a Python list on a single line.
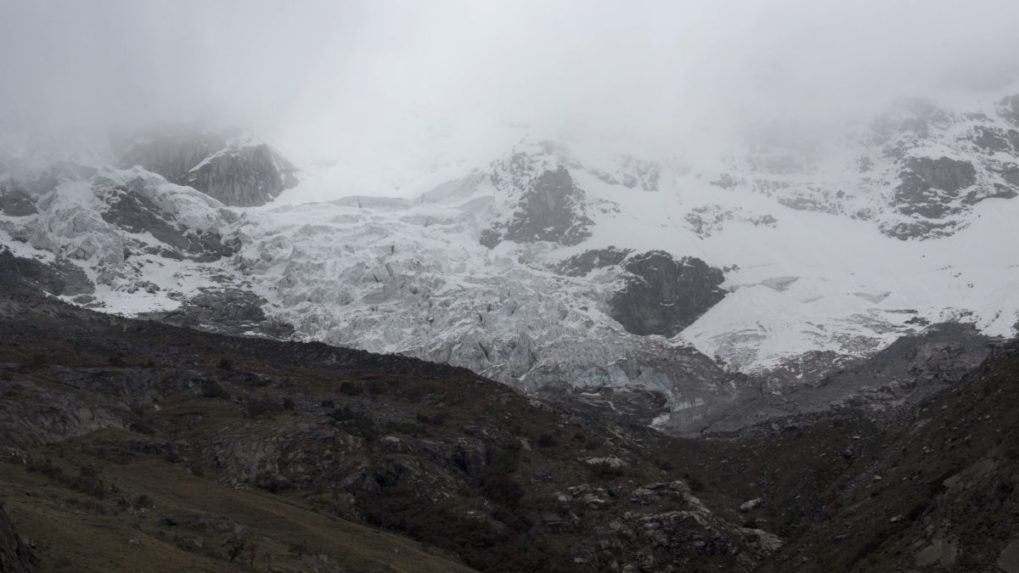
[(15, 202), (15, 553), (993, 140), (929, 186), (238, 172), (550, 209), (244, 176), (59, 277), (133, 210), (666, 529), (32, 414), (582, 264), (663, 296)]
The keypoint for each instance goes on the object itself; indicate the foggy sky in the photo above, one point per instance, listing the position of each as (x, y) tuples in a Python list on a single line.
[(322, 79)]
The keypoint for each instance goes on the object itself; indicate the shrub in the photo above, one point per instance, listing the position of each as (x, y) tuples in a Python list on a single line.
[(225, 363), (695, 484), (88, 482), (271, 483), (142, 427), (261, 407), (355, 423), (38, 360), (351, 388), (212, 389), (46, 467), (547, 441), (502, 490), (436, 420), (504, 459)]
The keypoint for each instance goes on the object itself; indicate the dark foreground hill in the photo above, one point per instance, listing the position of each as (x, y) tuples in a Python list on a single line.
[(136, 446)]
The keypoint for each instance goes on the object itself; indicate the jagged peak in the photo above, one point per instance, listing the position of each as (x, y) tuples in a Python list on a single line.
[(237, 168)]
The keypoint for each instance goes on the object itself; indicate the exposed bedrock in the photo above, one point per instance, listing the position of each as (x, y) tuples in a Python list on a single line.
[(663, 295)]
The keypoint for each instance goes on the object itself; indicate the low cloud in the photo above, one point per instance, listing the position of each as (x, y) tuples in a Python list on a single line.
[(395, 81)]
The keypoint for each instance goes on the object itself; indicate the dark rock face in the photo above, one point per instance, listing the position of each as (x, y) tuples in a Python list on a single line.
[(390, 471), (173, 155), (923, 229), (551, 209), (584, 263), (929, 192), (135, 213), (15, 202), (252, 175), (15, 555), (490, 238), (994, 140), (44, 416), (929, 185), (58, 278), (664, 296), (238, 175), (1010, 173), (997, 192)]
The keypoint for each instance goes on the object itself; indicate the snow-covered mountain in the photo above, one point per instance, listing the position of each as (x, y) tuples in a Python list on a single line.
[(642, 285)]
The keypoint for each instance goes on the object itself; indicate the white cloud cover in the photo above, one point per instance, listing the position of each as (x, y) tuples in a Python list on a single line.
[(386, 82)]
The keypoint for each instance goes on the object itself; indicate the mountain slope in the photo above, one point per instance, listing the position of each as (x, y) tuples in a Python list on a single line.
[(127, 444), (650, 289), (126, 441), (939, 494)]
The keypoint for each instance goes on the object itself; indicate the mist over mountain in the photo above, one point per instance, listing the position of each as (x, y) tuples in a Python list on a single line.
[(532, 286), (421, 84)]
